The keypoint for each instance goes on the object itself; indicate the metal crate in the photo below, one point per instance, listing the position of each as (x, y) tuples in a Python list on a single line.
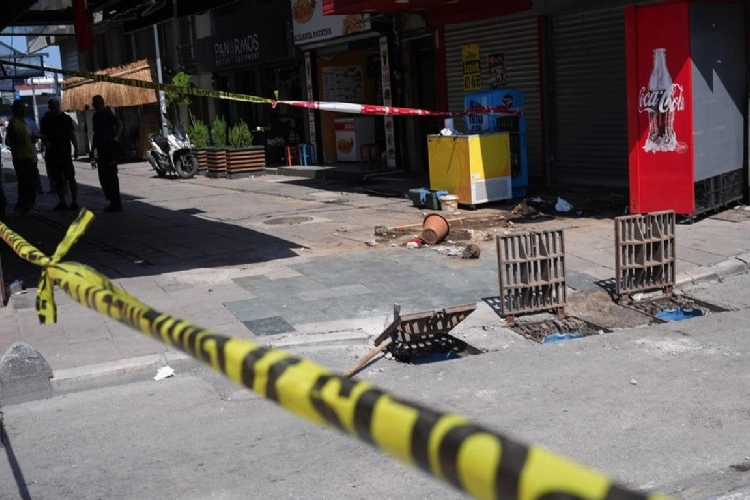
[(644, 253), (531, 271)]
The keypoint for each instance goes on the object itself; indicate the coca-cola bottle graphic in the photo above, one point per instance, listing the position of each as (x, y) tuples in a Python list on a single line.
[(661, 100)]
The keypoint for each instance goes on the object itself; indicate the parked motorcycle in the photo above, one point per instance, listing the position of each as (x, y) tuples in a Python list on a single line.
[(172, 154)]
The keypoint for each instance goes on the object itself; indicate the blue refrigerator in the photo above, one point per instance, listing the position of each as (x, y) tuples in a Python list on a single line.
[(502, 110)]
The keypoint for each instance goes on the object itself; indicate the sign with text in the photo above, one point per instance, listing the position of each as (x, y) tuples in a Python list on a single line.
[(660, 128), (310, 25), (472, 66)]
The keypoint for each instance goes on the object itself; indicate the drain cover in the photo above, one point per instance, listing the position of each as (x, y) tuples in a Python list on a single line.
[(289, 221)]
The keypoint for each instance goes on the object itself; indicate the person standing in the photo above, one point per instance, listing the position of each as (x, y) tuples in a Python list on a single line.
[(58, 133), (22, 150), (33, 131), (107, 129)]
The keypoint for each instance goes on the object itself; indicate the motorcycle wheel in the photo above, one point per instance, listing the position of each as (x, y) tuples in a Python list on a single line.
[(187, 166)]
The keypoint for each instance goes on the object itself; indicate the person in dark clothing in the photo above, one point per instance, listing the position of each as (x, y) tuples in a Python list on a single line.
[(58, 133), (107, 129), (22, 149)]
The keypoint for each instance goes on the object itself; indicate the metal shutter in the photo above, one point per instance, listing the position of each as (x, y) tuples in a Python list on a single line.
[(590, 102), (518, 38)]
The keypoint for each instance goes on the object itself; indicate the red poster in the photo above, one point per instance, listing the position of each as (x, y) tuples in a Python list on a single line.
[(660, 121)]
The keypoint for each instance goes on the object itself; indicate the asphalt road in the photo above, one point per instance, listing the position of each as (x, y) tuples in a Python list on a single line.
[(662, 407)]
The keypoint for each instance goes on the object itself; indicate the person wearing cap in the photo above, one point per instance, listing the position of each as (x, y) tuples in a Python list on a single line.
[(58, 133), (23, 153), (107, 129)]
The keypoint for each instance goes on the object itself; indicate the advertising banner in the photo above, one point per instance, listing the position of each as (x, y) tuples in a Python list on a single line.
[(310, 25), (472, 67), (660, 122)]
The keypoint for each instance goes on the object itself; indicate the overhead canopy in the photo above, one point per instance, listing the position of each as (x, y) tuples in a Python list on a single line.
[(78, 92), (437, 11)]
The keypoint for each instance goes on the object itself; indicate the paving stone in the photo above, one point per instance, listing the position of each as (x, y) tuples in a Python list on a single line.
[(335, 292), (269, 326)]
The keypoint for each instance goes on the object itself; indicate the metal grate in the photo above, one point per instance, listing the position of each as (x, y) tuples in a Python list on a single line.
[(531, 270), (645, 253), (404, 328)]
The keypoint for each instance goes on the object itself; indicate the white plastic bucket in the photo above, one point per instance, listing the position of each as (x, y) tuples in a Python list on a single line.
[(449, 202)]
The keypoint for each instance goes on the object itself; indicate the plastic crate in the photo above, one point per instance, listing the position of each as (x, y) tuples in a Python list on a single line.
[(431, 201)]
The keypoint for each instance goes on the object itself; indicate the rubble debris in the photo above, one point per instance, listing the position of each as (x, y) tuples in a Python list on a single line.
[(471, 252), (164, 372), (371, 243), (449, 251), (381, 231), (563, 206)]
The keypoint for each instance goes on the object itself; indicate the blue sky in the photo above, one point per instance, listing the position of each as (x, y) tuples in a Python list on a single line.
[(19, 43)]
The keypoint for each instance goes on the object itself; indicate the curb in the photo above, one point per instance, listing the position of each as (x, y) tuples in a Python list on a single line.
[(733, 266)]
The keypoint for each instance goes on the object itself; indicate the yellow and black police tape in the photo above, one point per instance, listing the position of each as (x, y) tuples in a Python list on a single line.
[(167, 87), (447, 446)]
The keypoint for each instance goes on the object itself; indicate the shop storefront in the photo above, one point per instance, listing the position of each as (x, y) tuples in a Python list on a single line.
[(346, 62), (507, 51), (588, 98), (249, 54)]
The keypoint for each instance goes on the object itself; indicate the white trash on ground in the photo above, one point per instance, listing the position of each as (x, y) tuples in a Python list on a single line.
[(563, 206), (164, 372)]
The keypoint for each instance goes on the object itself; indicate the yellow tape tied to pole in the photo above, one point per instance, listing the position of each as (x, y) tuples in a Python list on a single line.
[(447, 446)]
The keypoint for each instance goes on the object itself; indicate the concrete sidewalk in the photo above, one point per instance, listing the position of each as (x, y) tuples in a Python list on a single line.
[(283, 260)]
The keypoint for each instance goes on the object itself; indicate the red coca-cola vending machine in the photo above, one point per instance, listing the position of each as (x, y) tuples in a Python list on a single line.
[(686, 105)]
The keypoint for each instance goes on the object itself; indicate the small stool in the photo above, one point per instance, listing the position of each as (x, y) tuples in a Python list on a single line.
[(369, 154), (308, 154), (292, 156)]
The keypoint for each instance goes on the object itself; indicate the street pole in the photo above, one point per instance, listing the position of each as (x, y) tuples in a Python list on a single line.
[(162, 102), (33, 98)]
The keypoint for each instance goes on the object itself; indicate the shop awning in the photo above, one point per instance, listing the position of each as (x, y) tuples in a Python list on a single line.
[(78, 92), (438, 11)]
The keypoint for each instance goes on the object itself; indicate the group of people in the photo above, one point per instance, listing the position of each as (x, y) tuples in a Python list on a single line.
[(57, 135)]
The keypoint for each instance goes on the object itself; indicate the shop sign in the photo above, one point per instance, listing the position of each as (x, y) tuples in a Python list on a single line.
[(472, 67), (496, 70), (310, 25), (240, 44), (385, 72), (310, 97)]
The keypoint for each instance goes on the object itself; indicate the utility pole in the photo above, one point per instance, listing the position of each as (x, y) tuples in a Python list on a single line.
[(162, 101)]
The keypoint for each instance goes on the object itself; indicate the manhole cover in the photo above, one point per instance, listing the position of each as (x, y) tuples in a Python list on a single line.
[(557, 329), (289, 221)]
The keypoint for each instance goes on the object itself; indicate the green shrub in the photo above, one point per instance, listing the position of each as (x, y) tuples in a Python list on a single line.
[(198, 134), (240, 136), (219, 132), (180, 79)]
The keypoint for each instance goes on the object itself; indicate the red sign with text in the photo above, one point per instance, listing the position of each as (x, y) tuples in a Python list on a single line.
[(660, 119)]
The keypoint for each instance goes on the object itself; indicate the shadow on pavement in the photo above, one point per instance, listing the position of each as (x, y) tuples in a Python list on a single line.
[(143, 240), (23, 490)]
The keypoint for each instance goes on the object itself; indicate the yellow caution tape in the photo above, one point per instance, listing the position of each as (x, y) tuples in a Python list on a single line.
[(447, 446), (167, 87)]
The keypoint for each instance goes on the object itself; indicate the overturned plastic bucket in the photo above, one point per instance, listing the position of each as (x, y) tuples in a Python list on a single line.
[(449, 202), (434, 229)]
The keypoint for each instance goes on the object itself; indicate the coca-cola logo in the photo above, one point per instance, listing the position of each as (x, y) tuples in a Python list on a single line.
[(661, 101)]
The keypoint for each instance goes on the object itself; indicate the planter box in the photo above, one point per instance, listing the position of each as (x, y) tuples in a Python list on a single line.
[(216, 162), (201, 154), (243, 162)]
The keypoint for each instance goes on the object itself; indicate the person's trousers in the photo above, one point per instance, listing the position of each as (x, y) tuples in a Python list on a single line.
[(25, 173), (107, 168)]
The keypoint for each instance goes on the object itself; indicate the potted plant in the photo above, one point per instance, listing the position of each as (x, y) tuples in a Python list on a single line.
[(198, 133), (180, 100), (217, 156), (243, 158)]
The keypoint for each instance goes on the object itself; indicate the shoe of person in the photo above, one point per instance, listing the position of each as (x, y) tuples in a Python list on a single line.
[(113, 208), (60, 206), (73, 206)]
